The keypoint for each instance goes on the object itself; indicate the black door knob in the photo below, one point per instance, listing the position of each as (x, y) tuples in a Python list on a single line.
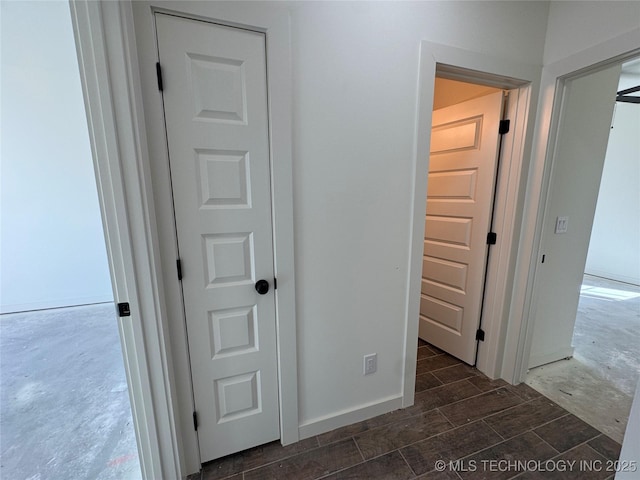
[(262, 287)]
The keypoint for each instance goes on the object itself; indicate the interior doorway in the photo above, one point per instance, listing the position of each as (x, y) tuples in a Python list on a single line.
[(65, 410), (598, 379), (454, 85)]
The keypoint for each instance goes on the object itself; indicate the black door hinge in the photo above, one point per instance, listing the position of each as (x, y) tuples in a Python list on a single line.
[(179, 268), (195, 421), (503, 128), (492, 238), (480, 335), (275, 283), (159, 75), (124, 310)]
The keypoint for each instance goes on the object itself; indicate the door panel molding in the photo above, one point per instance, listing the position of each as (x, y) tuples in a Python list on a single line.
[(465, 136), (223, 250)]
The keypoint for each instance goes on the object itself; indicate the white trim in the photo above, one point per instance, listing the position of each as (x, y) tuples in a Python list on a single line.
[(503, 73), (613, 276), (59, 303), (507, 211), (360, 413), (520, 331), (275, 24), (103, 41)]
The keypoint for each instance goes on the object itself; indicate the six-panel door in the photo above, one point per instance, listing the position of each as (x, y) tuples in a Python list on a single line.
[(215, 105), (462, 170)]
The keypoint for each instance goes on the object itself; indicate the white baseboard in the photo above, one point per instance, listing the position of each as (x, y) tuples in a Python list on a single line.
[(358, 414), (537, 360), (613, 276), (58, 303)]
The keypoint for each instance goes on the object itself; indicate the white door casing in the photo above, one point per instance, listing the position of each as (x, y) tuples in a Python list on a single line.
[(578, 158), (215, 104), (462, 172)]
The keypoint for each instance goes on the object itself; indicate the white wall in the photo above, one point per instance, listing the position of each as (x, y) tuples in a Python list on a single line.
[(52, 247), (614, 250), (355, 70), (576, 26)]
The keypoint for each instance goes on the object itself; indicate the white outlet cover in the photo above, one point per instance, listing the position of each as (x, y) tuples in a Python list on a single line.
[(370, 364), (562, 224)]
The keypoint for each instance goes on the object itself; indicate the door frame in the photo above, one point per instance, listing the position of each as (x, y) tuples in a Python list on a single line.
[(526, 297), (113, 41), (522, 80)]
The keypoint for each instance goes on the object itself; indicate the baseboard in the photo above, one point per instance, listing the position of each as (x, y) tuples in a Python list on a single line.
[(538, 360), (51, 304), (358, 414), (613, 276)]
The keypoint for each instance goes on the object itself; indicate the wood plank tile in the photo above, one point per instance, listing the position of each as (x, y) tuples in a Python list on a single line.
[(426, 381), (524, 417), (481, 406), (582, 463), (524, 391), (391, 466), (436, 349), (606, 447), (274, 451), (566, 432), (434, 363), (435, 475), (524, 448), (450, 445), (425, 352), (375, 422), (455, 373), (254, 457), (223, 467), (444, 395), (391, 437), (311, 464), (484, 384)]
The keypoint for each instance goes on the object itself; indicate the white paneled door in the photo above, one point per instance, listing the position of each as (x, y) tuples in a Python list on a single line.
[(215, 105), (462, 172)]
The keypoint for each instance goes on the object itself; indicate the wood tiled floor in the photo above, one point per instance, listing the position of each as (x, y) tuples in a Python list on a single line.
[(459, 414)]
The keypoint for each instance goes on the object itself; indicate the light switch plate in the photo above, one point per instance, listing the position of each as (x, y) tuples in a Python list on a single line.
[(562, 224), (370, 364)]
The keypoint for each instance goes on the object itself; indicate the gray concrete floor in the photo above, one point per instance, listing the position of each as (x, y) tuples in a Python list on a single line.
[(599, 382), (64, 404)]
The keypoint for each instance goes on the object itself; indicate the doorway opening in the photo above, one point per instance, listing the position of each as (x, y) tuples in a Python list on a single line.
[(598, 380), (463, 167), (65, 409), (456, 186)]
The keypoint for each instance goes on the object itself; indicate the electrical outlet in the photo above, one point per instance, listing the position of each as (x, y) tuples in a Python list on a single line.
[(562, 224), (370, 364)]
